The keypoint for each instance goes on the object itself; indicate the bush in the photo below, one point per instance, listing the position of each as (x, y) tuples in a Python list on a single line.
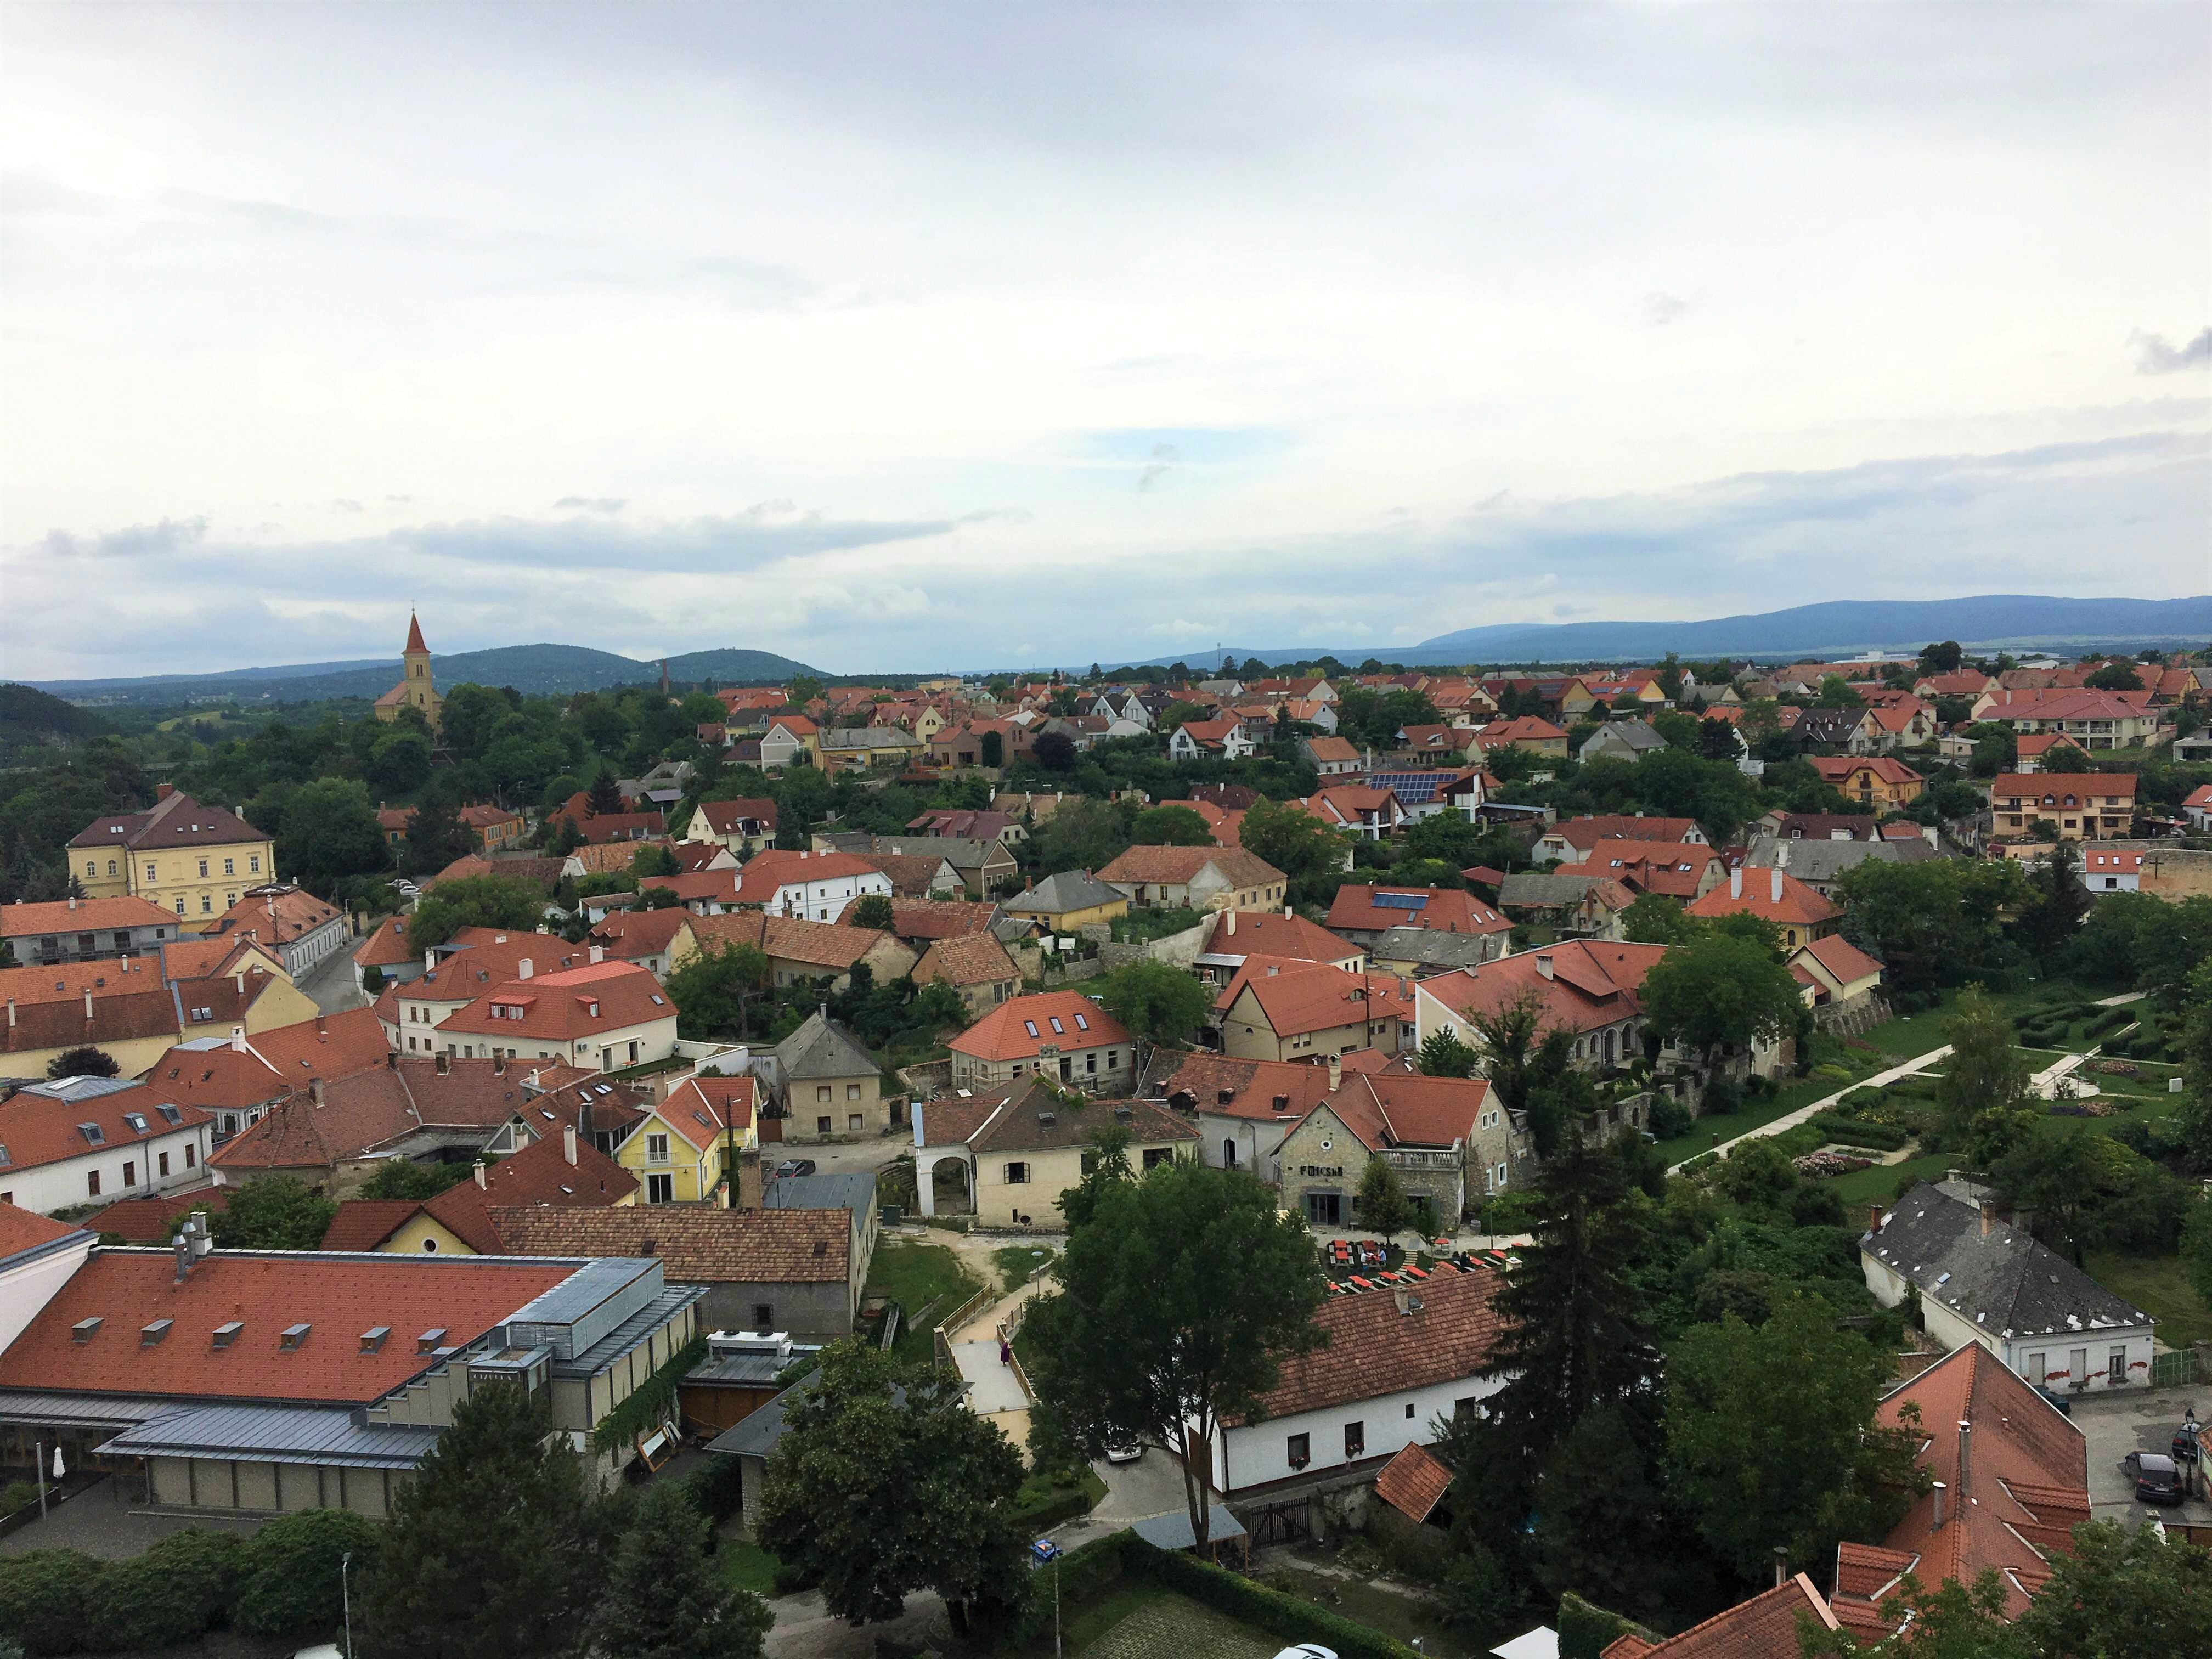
[(1508, 1212), (1049, 1506), (1287, 1618), (1586, 1631), (179, 1589), (46, 1598), (1857, 1131), (1722, 1097), (287, 1582), (1832, 1073), (1670, 1118), (18, 1495), (715, 1488)]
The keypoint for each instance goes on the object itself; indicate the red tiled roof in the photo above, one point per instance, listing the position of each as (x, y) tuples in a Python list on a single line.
[(1764, 1627), (1374, 1349), (1332, 748), (1253, 1086), (1403, 1109), (1298, 997), (1649, 866), (1773, 894), (1623, 827), (1445, 909), (1593, 983), (363, 1224), (576, 1002), (701, 1109), (630, 934), (723, 816), (23, 1230), (1179, 866), (2036, 785), (1529, 728), (82, 915), (1842, 958), (1413, 1482), (385, 945), (1018, 1028), (38, 1129), (775, 869), (483, 959), (277, 917), (145, 1221), (1265, 933), (970, 959), (697, 1245), (337, 1298), (1834, 769), (175, 820), (539, 1175), (327, 1046)]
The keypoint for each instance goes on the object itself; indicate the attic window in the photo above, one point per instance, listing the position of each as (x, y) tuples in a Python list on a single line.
[(153, 1332), (1029, 1026), (3, 1158), (170, 1113), (821, 1248), (85, 1330), (372, 1340), (293, 1336), (430, 1340), (1081, 1024), (1045, 1119), (93, 1133), (658, 1003), (137, 1121), (227, 1333)]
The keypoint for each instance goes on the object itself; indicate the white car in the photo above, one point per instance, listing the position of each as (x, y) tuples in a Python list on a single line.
[(1307, 1650), (1128, 1451)]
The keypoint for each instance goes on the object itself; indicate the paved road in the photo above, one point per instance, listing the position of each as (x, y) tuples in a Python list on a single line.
[(804, 1629), (2116, 1424), (96, 1522), (330, 982)]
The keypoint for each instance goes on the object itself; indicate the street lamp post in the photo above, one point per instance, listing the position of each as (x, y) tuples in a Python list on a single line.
[(345, 1599)]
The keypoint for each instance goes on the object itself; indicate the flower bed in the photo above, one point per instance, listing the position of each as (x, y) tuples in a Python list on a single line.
[(1823, 1166)]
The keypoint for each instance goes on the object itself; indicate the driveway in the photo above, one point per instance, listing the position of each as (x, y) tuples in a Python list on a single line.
[(804, 1629), (96, 1522), (2116, 1424)]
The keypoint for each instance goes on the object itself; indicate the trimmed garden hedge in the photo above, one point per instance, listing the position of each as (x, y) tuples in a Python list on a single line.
[(1284, 1617), (1857, 1131), (1587, 1629)]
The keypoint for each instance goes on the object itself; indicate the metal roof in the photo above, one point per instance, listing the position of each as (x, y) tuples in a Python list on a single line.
[(1171, 1531), (631, 1331), (276, 1434), (30, 1410), (819, 1192)]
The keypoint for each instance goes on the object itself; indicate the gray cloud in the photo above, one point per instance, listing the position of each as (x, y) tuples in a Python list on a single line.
[(2155, 355), (344, 505), (1164, 459), (592, 503), (1661, 309)]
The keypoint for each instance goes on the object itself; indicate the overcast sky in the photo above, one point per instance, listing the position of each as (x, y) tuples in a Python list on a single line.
[(899, 338)]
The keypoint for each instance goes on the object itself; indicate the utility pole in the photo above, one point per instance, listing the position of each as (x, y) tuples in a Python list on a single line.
[(345, 1599)]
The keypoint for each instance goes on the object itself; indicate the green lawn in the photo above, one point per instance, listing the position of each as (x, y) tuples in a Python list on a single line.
[(1878, 1183), (1916, 1033), (747, 1566), (1015, 1262), (926, 1280), (1038, 1493), (2157, 1284), (1156, 1624)]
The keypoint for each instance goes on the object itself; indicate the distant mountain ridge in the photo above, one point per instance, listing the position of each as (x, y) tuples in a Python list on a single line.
[(541, 670), (1833, 629)]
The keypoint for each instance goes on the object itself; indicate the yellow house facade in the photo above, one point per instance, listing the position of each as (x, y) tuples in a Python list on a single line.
[(194, 861), (685, 1149)]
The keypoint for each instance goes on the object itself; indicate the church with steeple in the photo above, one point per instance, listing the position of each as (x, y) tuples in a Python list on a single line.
[(415, 690)]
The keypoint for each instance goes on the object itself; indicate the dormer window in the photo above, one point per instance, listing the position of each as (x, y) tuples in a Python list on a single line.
[(137, 1121), (292, 1337)]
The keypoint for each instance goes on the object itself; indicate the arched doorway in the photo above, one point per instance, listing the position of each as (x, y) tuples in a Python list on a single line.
[(944, 1184)]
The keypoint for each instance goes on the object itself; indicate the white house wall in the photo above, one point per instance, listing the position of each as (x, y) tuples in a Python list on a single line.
[(45, 1188), (25, 1289), (1258, 1453)]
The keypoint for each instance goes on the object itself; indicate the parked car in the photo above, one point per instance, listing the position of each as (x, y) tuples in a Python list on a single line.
[(1307, 1650), (2063, 1403), (2157, 1479), (795, 1166), (1125, 1451)]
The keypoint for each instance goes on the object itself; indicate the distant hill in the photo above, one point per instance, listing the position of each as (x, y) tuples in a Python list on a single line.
[(543, 670), (2015, 623)]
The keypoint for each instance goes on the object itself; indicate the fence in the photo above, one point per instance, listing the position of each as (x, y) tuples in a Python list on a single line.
[(2176, 1370)]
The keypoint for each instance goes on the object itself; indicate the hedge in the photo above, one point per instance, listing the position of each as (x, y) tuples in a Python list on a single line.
[(1586, 1630), (1857, 1131), (1062, 1504), (1284, 1617)]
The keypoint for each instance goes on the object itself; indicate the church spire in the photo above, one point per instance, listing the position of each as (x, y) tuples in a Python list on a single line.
[(415, 636)]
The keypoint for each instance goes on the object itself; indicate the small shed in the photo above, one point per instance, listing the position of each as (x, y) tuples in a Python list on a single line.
[(1172, 1531)]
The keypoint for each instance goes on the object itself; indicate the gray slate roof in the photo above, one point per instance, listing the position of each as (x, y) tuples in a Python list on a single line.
[(1524, 888), (822, 1047), (278, 1434), (1429, 947), (2006, 1283), (1824, 861), (1071, 889), (1171, 1531), (856, 1192), (1617, 735)]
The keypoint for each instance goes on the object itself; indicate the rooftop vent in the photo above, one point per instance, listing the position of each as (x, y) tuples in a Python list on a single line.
[(227, 1333), (1124, 1115), (431, 1340), (821, 1247), (1045, 1119), (293, 1336), (153, 1332), (372, 1340), (85, 1330)]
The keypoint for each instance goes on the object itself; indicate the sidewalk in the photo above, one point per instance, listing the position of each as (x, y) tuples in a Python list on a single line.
[(1805, 1114)]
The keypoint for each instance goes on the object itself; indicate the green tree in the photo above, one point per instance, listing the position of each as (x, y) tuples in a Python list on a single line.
[(992, 750), (466, 717), (1081, 834), (1170, 826), (1985, 1071), (2193, 1122), (1769, 1436), (83, 1062), (715, 991), (654, 860), (1148, 1335), (871, 910), (1507, 1041), (1443, 1054), (399, 762), (485, 1558), (1293, 839), (402, 1177), (1836, 693), (802, 689), (435, 835), (329, 832), (273, 1212), (662, 1597), (1381, 1204), (1937, 921), (1156, 1001), (1941, 658), (605, 797), (1655, 919), (1720, 991), (884, 1483), (1105, 1165), (2048, 926), (508, 903), (2115, 676), (290, 1572)]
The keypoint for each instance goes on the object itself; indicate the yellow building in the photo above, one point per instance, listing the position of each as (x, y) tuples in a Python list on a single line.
[(415, 690), (1065, 902), (682, 1149), (191, 859)]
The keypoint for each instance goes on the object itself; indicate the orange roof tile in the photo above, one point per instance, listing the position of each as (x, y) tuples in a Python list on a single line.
[(82, 915), (1178, 866), (539, 1175), (1779, 897), (970, 959), (1375, 1349), (1413, 1482), (576, 1002), (1016, 1029)]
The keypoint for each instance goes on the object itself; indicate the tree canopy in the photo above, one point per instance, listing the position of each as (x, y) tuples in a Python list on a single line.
[(1156, 1001), (508, 903)]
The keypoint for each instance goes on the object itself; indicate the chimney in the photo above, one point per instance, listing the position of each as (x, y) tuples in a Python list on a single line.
[(568, 1142), (478, 1169), (1231, 928), (1965, 1437), (499, 1065), (1778, 885), (1544, 964), (1873, 1219), (1935, 1523), (445, 1062), (163, 791), (522, 969), (598, 954), (1781, 1565), (315, 1090), (322, 1025), (72, 901), (1735, 882), (1989, 1226), (429, 961), (241, 979), (87, 1004), (1335, 1072)]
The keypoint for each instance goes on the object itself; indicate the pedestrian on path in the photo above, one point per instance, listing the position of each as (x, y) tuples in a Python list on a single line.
[(1005, 1352)]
